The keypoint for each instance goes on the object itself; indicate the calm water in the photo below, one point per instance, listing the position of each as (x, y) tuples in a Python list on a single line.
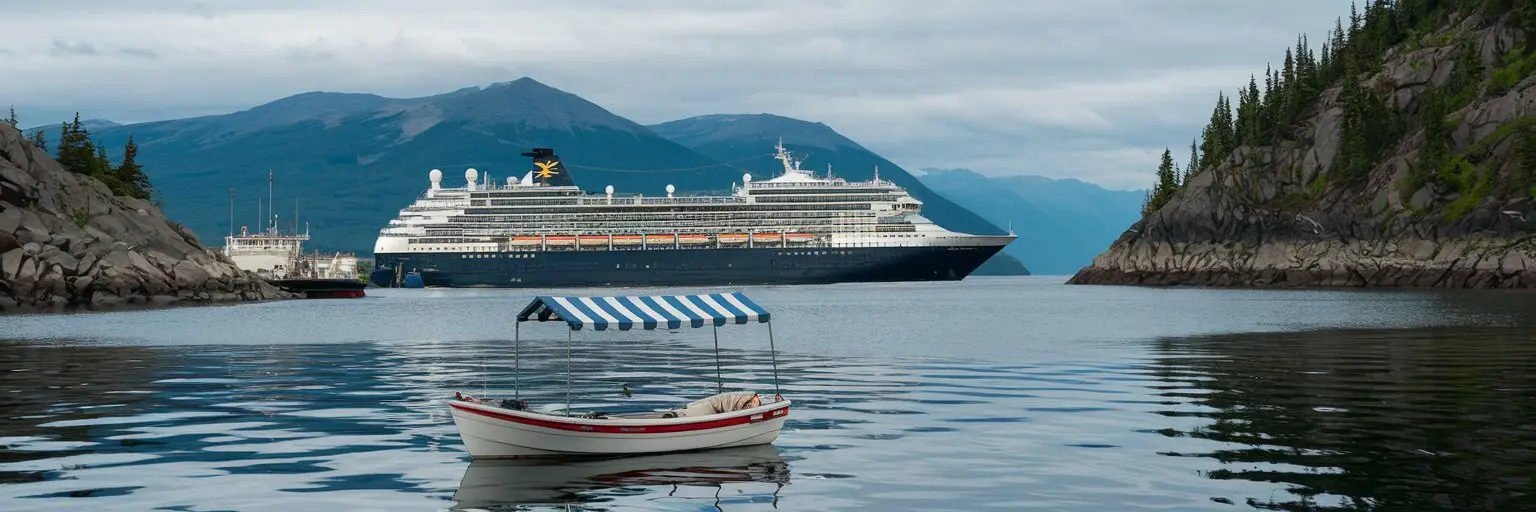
[(992, 393)]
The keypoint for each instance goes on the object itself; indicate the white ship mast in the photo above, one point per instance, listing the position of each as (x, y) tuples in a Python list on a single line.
[(269, 253)]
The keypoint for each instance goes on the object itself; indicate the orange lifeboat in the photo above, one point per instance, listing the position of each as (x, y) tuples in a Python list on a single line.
[(765, 237), (592, 240), (693, 239), (559, 240), (627, 239), (733, 238), (525, 240), (660, 239)]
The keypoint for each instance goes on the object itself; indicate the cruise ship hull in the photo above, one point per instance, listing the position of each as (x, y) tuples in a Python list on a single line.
[(677, 267)]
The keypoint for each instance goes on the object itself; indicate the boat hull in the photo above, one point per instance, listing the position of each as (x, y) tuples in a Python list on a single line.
[(680, 267), (495, 433), (323, 288)]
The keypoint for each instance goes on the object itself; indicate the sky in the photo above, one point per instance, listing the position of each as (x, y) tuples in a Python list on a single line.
[(1086, 89)]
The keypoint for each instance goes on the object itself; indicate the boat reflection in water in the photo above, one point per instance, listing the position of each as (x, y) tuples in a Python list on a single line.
[(543, 481)]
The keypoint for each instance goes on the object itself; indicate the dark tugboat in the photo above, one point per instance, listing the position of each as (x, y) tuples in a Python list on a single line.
[(319, 278)]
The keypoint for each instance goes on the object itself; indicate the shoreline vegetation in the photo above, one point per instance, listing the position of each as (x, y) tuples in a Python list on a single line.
[(1402, 153), (80, 233)]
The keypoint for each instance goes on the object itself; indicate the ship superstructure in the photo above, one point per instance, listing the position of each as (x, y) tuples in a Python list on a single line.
[(796, 227)]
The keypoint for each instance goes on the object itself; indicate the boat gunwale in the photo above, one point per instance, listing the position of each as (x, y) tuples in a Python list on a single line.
[(575, 422)]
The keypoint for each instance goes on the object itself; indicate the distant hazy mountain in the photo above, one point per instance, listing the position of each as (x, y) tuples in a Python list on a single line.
[(1062, 223), (52, 130), (353, 160), (746, 141)]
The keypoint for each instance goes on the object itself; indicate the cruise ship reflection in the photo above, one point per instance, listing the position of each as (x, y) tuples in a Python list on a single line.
[(499, 483)]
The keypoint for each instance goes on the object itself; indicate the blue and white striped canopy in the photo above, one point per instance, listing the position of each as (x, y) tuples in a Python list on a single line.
[(646, 312)]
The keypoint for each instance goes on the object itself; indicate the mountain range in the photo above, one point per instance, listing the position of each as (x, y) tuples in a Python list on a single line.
[(348, 162), (1061, 223), (89, 124)]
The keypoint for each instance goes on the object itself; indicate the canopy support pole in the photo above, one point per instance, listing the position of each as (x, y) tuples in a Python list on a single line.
[(773, 355), (569, 365), (517, 359), (719, 381)]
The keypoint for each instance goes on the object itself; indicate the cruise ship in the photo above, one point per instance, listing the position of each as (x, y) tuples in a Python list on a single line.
[(543, 231)]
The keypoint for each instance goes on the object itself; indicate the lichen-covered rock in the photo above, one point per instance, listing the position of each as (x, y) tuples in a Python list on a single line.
[(66, 242), (1259, 218)]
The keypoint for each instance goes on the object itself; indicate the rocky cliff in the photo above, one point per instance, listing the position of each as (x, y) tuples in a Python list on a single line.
[(67, 243), (1448, 204)]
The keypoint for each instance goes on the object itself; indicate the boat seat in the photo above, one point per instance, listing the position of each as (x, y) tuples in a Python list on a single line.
[(723, 402)]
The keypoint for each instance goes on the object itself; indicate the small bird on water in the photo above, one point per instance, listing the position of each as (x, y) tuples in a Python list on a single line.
[(627, 394)]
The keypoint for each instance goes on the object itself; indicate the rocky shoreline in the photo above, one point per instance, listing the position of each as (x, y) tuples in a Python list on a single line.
[(67, 243), (1484, 263)]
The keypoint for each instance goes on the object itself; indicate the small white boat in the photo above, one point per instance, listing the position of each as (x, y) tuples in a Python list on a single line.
[(509, 429)]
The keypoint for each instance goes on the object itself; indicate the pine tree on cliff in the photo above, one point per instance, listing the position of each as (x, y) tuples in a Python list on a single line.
[(1525, 12), (1194, 160), (12, 119), (1167, 184), (1526, 149), (1287, 99), (101, 164), (1248, 121), (1352, 50), (75, 151), (130, 174), (1324, 67), (39, 139), (1267, 108)]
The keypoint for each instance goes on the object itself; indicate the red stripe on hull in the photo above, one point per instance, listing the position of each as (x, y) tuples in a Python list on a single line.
[(631, 429)]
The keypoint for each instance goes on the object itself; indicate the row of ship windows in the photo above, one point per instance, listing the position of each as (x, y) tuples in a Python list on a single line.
[(517, 256), (677, 208), (517, 193), (532, 255), (449, 238), (813, 253), (840, 190), (643, 223), (604, 216)]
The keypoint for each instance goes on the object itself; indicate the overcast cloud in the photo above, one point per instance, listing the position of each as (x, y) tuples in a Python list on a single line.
[(1090, 89)]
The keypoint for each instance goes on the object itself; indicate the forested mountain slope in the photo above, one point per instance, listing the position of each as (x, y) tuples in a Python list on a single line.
[(1400, 153)]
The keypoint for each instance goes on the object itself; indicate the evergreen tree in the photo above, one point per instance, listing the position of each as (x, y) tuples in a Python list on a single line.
[(1324, 67), (134, 182), (1228, 130), (1167, 184), (1193, 165), (1526, 151), (1212, 137), (101, 165), (1287, 99), (1268, 107), (1167, 177), (1525, 14), (1368, 128), (12, 119), (1251, 126), (1437, 136), (1337, 50), (39, 140), (75, 152)]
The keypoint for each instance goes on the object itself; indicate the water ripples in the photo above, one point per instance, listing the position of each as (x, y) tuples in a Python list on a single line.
[(1344, 419)]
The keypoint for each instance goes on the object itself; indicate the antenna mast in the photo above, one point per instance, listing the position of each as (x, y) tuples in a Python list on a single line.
[(273, 222), (231, 211)]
